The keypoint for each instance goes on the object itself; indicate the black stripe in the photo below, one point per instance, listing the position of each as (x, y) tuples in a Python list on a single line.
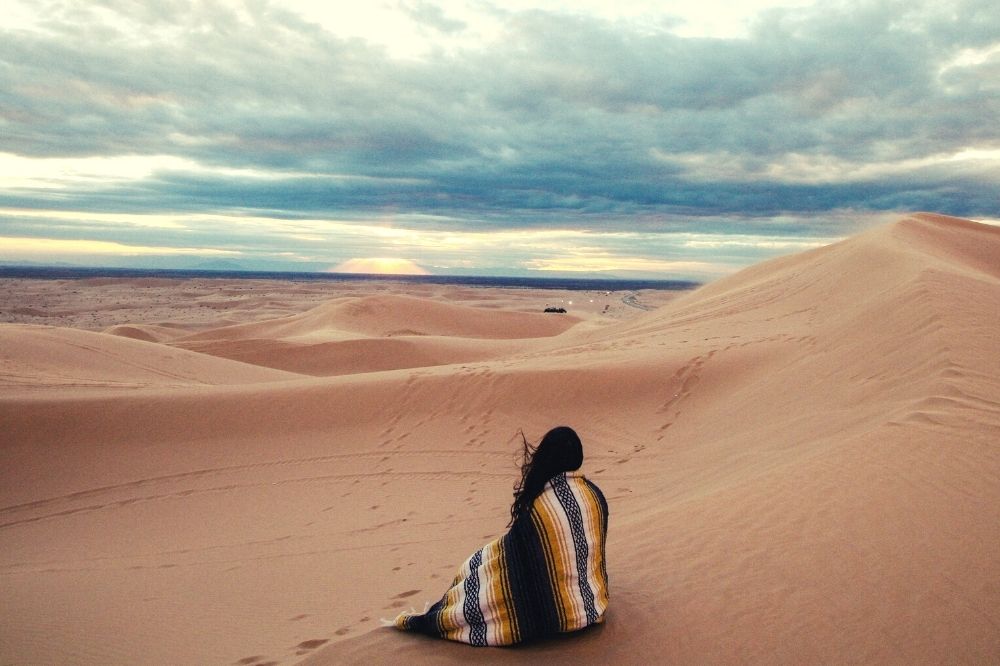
[(530, 592), (473, 615), (572, 510), (603, 503), (534, 596)]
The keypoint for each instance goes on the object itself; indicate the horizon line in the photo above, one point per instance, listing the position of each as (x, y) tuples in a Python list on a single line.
[(55, 271)]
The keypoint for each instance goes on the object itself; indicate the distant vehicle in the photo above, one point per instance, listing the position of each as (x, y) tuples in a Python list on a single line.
[(559, 310)]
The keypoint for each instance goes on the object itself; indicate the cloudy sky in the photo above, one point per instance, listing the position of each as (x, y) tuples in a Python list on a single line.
[(624, 138)]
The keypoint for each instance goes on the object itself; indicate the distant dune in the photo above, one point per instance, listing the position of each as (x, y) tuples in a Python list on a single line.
[(377, 333), (391, 315), (801, 463), (144, 332)]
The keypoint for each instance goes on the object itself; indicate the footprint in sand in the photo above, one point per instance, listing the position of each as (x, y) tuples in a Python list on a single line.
[(312, 644), (408, 593)]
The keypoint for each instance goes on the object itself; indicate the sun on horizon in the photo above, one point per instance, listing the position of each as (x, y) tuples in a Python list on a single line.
[(379, 266)]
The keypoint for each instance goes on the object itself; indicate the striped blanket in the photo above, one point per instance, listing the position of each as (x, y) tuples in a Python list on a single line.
[(546, 575)]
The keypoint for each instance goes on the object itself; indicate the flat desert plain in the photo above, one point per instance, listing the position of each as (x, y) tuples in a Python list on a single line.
[(802, 460)]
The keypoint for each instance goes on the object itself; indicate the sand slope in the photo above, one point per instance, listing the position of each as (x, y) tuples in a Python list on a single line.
[(377, 333), (800, 459), (46, 356), (145, 332), (353, 356)]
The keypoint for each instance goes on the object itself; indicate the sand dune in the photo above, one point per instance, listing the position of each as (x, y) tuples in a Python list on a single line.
[(394, 315), (43, 356), (377, 333), (144, 332), (352, 356), (800, 460)]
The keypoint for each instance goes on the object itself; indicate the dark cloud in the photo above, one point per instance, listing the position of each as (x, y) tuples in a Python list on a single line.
[(432, 16), (563, 115)]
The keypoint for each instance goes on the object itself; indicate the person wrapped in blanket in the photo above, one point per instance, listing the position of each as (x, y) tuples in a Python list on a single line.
[(547, 574)]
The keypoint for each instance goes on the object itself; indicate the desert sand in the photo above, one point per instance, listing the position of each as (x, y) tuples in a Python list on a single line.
[(802, 460)]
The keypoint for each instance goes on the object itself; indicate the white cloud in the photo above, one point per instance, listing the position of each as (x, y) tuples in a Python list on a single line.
[(146, 220), (781, 243), (17, 171), (610, 263), (46, 248), (391, 26)]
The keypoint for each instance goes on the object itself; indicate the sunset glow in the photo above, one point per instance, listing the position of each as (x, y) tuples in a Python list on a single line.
[(380, 266)]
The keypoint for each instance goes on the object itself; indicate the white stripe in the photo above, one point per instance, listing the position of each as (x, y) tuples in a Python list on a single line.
[(568, 556), (591, 516), (571, 545), (458, 607), (484, 596)]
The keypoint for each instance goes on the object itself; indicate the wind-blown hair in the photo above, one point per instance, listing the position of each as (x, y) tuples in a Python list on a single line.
[(559, 451)]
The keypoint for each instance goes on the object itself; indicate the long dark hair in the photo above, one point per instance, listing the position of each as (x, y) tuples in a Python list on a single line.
[(559, 451)]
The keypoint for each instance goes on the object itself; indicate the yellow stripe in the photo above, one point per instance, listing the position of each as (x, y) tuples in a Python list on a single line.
[(559, 569), (550, 565), (513, 630), (500, 598), (508, 619), (599, 540), (567, 549), (452, 618), (491, 586), (596, 520), (558, 549), (559, 558), (446, 620)]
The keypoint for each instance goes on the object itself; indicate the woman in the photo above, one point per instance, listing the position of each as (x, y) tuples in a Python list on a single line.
[(547, 574)]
